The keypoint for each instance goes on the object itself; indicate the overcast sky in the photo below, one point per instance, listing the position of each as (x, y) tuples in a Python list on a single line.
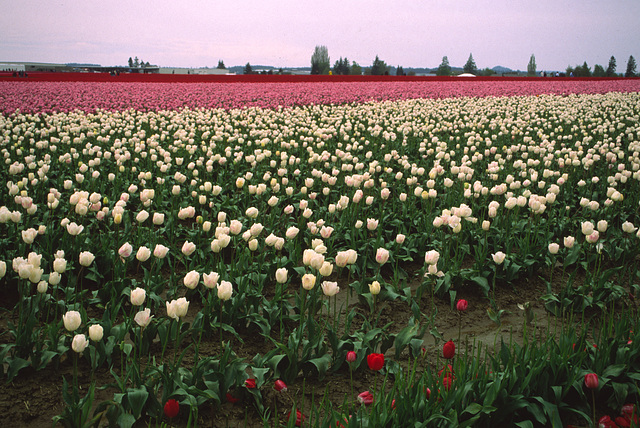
[(283, 33)]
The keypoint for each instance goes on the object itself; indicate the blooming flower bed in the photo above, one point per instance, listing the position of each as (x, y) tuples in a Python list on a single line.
[(136, 231), (49, 97)]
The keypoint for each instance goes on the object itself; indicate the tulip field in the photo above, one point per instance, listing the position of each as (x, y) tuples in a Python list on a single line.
[(351, 254)]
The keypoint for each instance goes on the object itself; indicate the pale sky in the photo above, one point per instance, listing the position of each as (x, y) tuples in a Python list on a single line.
[(283, 33)]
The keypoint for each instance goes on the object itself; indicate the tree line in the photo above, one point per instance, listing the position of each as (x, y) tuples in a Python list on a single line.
[(599, 71), (320, 64)]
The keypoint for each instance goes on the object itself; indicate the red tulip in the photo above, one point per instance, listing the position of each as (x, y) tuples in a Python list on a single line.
[(629, 409), (622, 422), (606, 422), (365, 398), (462, 305), (447, 381), (591, 380), (250, 383), (231, 399), (351, 357), (171, 408), (299, 417), (280, 386), (375, 361), (449, 350)]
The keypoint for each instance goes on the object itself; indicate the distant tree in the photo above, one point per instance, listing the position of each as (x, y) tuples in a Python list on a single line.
[(320, 62), (341, 67), (470, 66), (130, 62), (611, 69), (531, 67), (280, 71), (582, 71), (248, 69), (444, 69), (356, 70), (141, 64), (147, 65), (631, 67), (136, 62), (598, 71), (411, 73), (570, 71), (221, 65), (379, 67), (487, 72), (399, 71)]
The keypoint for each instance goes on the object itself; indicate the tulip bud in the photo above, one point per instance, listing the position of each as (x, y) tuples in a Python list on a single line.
[(79, 343), (330, 288), (498, 258), (143, 254), (137, 296), (374, 288), (280, 386), (72, 320), (86, 258), (191, 279), (591, 380), (308, 281), (96, 332), (143, 318), (225, 290), (382, 256)]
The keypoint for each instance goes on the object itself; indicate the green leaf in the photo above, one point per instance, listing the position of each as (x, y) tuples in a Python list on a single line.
[(404, 337), (321, 364), (572, 255), (482, 283), (524, 424), (126, 420), (15, 366), (614, 370), (137, 397), (473, 408)]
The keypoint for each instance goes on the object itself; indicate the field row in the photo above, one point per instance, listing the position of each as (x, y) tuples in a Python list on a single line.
[(48, 97)]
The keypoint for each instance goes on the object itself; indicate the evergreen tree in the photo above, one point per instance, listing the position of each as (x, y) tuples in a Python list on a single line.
[(444, 69), (611, 69), (631, 67), (248, 69), (531, 67), (320, 62), (399, 71), (130, 62), (379, 67), (470, 66), (136, 62), (583, 71), (341, 67), (356, 70), (221, 65), (598, 71)]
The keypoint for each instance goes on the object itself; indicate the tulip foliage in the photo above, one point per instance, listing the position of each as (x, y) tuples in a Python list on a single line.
[(134, 233)]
